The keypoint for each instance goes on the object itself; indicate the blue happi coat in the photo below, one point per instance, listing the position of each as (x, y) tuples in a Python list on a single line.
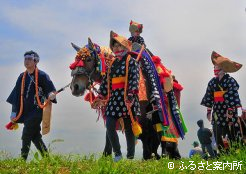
[(30, 105)]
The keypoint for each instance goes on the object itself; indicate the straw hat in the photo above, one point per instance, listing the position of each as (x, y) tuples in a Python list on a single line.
[(134, 26), (121, 40), (224, 63)]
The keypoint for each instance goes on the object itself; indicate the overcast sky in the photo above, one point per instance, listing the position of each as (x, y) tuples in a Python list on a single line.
[(183, 33)]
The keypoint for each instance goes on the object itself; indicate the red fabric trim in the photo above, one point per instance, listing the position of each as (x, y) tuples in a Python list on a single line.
[(118, 85), (219, 99), (132, 53), (134, 91)]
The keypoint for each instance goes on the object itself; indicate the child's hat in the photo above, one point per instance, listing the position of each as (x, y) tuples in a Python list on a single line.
[(135, 27)]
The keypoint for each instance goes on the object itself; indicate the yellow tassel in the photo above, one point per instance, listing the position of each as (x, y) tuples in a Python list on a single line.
[(136, 129), (15, 126)]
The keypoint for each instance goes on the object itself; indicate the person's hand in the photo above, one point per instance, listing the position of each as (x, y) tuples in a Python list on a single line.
[(52, 96), (209, 114), (229, 113)]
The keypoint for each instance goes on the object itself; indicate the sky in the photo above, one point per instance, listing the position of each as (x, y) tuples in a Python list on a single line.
[(183, 33)]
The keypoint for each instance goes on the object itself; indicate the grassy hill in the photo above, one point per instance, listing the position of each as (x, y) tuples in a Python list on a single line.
[(234, 162)]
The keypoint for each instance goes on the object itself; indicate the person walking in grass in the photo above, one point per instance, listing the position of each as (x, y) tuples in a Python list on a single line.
[(31, 89)]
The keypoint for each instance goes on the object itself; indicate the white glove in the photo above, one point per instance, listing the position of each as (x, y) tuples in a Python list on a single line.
[(52, 96)]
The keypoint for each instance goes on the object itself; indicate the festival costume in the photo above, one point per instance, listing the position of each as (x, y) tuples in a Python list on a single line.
[(137, 39), (116, 106), (169, 101), (156, 96), (222, 96), (31, 116), (169, 138), (113, 88), (136, 27), (155, 72)]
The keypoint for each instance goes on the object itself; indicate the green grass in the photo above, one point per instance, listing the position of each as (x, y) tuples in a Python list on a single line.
[(56, 163)]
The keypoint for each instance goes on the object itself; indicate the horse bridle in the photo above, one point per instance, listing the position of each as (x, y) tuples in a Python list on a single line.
[(83, 71)]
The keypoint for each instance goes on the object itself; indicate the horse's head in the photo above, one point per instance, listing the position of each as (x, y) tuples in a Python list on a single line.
[(84, 67), (89, 65)]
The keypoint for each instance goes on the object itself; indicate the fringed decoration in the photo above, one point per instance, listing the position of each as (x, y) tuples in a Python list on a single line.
[(164, 119), (101, 113), (176, 115), (161, 69), (11, 126), (102, 64), (87, 97)]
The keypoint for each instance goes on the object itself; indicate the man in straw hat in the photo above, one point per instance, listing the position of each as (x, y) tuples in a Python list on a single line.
[(222, 99), (113, 88), (30, 91)]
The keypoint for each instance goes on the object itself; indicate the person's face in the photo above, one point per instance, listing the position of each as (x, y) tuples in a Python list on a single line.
[(217, 71), (29, 63), (117, 47), (136, 33)]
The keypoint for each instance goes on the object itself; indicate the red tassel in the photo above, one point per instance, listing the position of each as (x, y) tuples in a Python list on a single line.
[(80, 63), (77, 63), (73, 65), (87, 97), (156, 59), (9, 126), (177, 86)]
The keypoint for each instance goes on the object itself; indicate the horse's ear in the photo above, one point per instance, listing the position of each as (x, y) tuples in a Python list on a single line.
[(77, 48), (90, 44)]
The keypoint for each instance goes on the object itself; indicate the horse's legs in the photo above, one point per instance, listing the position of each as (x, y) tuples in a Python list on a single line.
[(156, 140), (146, 146), (164, 148), (173, 151)]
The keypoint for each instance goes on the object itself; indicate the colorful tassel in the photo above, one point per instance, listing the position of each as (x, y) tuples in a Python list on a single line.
[(12, 126)]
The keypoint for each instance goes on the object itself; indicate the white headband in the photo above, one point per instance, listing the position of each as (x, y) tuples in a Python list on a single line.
[(32, 56)]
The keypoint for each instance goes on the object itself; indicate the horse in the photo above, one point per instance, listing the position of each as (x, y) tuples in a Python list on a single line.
[(89, 66)]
